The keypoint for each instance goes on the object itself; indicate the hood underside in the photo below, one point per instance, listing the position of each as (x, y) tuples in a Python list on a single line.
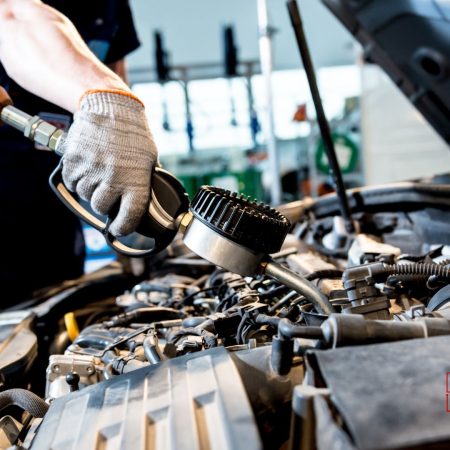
[(410, 41)]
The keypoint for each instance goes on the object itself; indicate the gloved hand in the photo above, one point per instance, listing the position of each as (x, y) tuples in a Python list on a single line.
[(108, 156)]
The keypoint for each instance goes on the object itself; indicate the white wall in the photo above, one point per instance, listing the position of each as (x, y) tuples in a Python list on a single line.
[(193, 31), (398, 143)]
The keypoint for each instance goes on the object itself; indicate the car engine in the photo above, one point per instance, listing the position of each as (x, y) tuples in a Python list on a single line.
[(259, 328), (198, 356)]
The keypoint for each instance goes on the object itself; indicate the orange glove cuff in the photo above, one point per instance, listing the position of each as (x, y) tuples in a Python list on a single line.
[(113, 91)]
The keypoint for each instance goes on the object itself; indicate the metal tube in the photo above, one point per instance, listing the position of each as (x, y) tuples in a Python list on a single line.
[(25, 400), (151, 349), (300, 285), (15, 118), (335, 170), (265, 51), (33, 128)]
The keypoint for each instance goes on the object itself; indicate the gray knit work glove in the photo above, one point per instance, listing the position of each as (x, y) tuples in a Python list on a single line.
[(108, 156)]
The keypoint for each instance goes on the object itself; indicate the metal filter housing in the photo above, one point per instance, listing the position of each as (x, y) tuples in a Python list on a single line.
[(232, 231)]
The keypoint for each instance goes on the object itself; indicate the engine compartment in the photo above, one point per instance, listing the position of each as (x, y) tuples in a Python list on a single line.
[(388, 282)]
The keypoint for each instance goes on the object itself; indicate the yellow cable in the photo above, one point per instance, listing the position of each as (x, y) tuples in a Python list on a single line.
[(71, 326)]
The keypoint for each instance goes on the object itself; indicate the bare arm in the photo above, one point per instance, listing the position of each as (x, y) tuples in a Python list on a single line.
[(43, 52), (109, 152)]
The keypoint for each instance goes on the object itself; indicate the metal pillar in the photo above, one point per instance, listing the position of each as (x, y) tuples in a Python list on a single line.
[(265, 52)]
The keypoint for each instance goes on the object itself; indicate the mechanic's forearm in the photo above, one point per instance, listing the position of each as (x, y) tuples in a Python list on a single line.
[(43, 52)]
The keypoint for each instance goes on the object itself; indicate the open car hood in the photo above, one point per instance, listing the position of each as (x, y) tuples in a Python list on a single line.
[(410, 41)]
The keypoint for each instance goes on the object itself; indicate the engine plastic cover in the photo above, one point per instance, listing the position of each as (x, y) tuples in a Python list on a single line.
[(193, 402), (391, 395)]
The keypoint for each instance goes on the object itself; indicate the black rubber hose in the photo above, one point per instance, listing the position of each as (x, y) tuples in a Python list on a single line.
[(144, 315), (289, 330), (25, 400), (414, 279), (379, 271), (263, 319), (418, 269), (151, 349), (328, 273), (300, 285), (282, 343)]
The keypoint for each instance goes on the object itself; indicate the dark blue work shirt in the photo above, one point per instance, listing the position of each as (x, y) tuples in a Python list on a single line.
[(41, 242)]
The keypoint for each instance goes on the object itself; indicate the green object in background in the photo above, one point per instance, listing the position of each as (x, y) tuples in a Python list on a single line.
[(190, 183), (248, 182), (346, 150)]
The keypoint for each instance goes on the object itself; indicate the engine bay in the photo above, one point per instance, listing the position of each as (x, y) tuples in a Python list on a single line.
[(322, 324), (79, 342)]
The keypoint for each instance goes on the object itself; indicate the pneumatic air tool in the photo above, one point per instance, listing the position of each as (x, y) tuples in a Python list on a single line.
[(222, 227), (168, 198)]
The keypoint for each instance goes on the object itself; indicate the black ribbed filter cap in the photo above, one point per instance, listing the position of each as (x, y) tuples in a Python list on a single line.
[(254, 225)]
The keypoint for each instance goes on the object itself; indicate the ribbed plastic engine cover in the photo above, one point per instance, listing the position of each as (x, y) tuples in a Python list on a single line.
[(192, 402)]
